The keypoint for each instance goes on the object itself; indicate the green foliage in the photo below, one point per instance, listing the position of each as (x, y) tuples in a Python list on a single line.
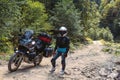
[(65, 14), (90, 15), (82, 19), (9, 13), (34, 16), (100, 33), (88, 40), (112, 48), (110, 16), (8, 18), (17, 15), (5, 44)]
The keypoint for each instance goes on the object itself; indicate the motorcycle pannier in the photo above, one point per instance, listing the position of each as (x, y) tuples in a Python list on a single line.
[(48, 52), (45, 37)]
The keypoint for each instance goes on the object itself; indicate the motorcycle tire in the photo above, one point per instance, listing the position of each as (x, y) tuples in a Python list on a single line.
[(38, 59), (14, 62)]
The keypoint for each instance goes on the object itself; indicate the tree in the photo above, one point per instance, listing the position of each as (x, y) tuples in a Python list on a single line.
[(110, 17), (90, 16), (65, 14), (8, 18), (34, 16), (16, 15)]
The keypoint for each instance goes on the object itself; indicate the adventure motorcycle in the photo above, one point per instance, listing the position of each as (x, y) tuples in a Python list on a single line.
[(30, 50)]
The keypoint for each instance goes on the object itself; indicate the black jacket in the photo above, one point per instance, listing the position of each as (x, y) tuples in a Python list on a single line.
[(62, 42)]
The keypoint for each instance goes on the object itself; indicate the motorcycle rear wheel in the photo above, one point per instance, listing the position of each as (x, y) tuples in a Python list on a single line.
[(14, 62), (38, 59)]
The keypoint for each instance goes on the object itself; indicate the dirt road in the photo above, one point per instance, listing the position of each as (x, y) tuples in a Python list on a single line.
[(88, 63)]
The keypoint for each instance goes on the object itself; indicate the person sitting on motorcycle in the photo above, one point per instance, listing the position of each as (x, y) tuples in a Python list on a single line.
[(61, 49)]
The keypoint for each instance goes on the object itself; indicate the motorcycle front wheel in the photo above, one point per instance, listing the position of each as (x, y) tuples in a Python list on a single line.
[(14, 62)]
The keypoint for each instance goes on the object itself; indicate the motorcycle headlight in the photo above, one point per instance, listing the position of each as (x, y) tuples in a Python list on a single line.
[(33, 42), (16, 51), (27, 51)]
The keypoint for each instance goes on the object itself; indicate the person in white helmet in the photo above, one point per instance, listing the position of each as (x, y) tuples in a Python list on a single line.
[(61, 49)]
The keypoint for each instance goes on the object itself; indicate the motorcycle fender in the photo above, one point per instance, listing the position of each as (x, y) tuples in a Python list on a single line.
[(19, 52)]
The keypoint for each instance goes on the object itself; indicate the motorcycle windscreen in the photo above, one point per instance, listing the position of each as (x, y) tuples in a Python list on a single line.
[(28, 34)]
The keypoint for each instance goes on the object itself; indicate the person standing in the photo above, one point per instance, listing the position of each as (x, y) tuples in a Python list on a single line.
[(61, 49)]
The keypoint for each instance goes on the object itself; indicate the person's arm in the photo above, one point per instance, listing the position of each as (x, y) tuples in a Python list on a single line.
[(68, 45), (56, 45)]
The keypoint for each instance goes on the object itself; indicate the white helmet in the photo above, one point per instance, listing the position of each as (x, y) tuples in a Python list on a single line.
[(63, 31), (63, 28)]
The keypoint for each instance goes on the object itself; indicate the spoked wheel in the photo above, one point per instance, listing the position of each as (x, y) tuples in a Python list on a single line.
[(14, 62), (38, 59)]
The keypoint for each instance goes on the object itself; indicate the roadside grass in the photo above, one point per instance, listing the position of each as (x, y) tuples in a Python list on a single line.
[(6, 55), (112, 48)]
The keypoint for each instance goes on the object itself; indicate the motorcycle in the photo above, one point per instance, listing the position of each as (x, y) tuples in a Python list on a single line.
[(30, 50)]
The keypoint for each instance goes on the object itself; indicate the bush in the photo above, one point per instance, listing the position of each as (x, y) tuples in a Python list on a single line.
[(65, 14), (112, 48), (100, 33), (89, 40)]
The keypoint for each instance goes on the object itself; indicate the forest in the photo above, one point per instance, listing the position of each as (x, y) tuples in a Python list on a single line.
[(85, 19)]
